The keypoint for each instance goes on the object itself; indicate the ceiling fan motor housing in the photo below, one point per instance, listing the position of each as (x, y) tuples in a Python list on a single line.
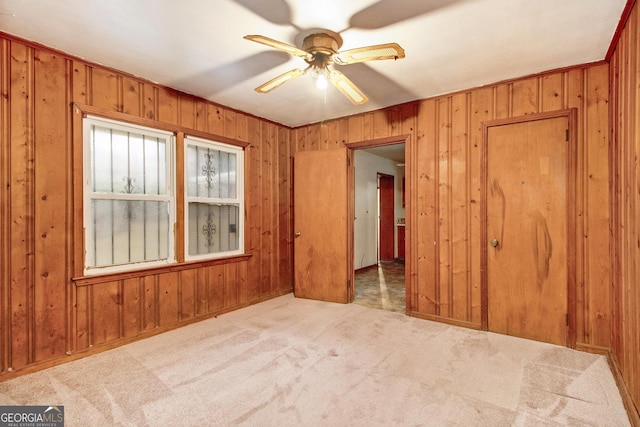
[(325, 43)]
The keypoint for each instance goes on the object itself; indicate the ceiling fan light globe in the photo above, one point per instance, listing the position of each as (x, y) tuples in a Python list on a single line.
[(321, 82)]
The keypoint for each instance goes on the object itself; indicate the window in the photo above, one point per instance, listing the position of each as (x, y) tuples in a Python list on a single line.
[(214, 197), (129, 205)]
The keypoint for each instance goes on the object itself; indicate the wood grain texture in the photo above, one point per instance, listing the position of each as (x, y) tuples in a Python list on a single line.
[(48, 309), (625, 202), (443, 175), (38, 217)]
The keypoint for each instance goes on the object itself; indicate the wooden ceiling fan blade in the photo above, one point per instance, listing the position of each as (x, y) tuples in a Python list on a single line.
[(280, 80), (277, 45), (346, 87), (369, 53)]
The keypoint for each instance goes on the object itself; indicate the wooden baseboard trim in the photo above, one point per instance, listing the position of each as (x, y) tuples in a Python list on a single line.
[(439, 319), (632, 410), (595, 349)]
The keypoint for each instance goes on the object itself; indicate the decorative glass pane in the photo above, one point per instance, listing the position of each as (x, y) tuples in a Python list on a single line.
[(127, 162), (127, 231), (211, 173), (213, 228)]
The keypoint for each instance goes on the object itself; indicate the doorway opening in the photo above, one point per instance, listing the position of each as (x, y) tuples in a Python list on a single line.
[(379, 213)]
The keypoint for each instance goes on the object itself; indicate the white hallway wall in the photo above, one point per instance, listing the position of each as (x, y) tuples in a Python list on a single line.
[(365, 227)]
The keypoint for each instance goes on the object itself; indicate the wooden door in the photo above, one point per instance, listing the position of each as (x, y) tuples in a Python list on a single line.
[(386, 219), (320, 225), (526, 229)]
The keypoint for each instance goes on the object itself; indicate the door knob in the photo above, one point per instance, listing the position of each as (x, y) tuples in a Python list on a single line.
[(297, 234), (494, 242)]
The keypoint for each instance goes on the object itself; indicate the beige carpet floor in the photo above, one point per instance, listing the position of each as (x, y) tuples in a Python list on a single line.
[(295, 362)]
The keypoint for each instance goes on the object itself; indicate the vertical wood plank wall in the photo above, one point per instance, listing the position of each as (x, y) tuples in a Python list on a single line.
[(625, 207), (44, 315), (444, 188)]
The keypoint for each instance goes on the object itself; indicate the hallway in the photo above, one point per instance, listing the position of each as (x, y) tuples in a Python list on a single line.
[(381, 286)]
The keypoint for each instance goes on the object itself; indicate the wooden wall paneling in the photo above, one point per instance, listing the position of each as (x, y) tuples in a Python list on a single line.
[(80, 296), (5, 223), (355, 129), (201, 117), (70, 211), (297, 140), (595, 177), (51, 108), (632, 310), (80, 82), (81, 325), (524, 94), (150, 296), (395, 120), (629, 203), (132, 93), (631, 315), (20, 197), (624, 150), (132, 306), (243, 282), (266, 207), (215, 283), (150, 104), (188, 294), (411, 172), (408, 119), (614, 207), (368, 125), (230, 124), (231, 295), (552, 92), (168, 106), (215, 119), (186, 111), (380, 123), (424, 232), (105, 317), (168, 298), (106, 89), (502, 101), (461, 291), (444, 286), (284, 254), (200, 276), (481, 109), (575, 98), (253, 225), (313, 137)]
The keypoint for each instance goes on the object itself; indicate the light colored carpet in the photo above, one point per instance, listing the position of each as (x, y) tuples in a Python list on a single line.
[(295, 362)]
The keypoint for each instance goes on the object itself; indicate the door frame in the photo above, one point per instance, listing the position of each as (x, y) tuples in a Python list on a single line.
[(409, 214), (571, 115)]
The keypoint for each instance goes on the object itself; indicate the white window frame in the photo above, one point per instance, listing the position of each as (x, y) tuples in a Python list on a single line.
[(239, 200), (89, 195)]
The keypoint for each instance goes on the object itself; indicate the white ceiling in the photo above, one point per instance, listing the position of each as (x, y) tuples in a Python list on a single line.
[(197, 46)]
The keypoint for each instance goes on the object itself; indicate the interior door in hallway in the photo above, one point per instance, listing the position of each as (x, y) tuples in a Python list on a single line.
[(386, 243), (320, 225), (526, 229)]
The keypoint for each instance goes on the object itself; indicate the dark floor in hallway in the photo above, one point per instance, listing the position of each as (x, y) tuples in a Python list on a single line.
[(381, 286)]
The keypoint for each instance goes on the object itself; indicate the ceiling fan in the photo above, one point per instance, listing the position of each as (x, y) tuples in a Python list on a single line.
[(320, 50)]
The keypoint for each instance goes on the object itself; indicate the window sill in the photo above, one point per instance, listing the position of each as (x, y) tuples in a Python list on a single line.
[(110, 277)]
